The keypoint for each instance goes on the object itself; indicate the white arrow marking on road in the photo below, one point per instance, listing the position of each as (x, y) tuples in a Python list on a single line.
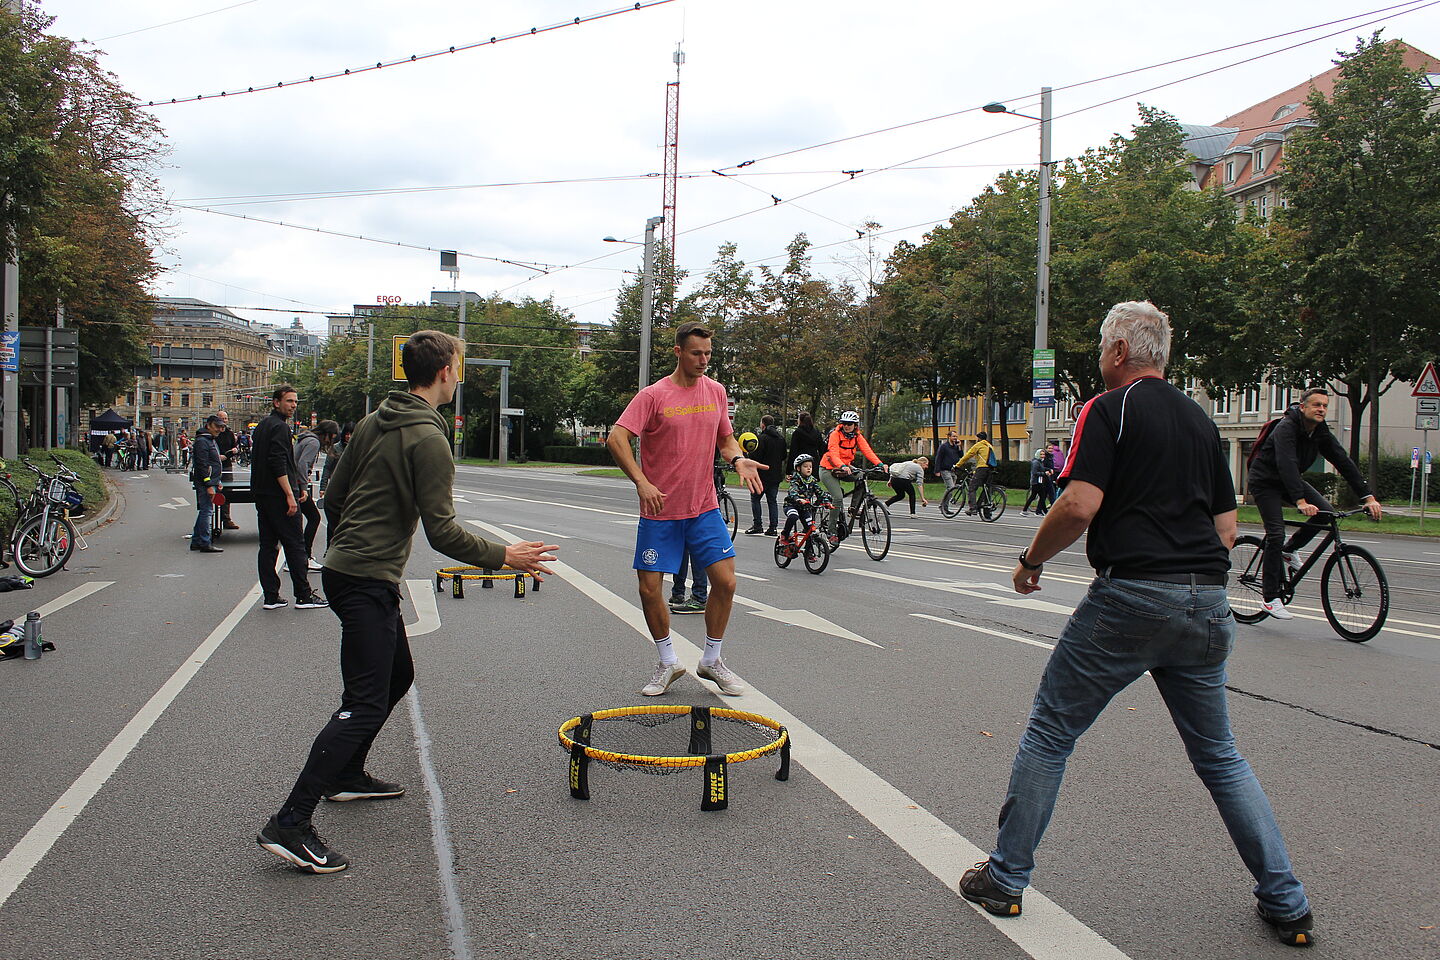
[(459, 499), (803, 618), (427, 611), (970, 590), (175, 503)]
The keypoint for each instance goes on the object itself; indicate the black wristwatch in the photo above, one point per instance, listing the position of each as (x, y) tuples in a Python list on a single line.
[(738, 456), (1026, 563)]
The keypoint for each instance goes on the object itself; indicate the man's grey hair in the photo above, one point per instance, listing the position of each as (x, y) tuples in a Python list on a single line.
[(1144, 327), (1313, 391)]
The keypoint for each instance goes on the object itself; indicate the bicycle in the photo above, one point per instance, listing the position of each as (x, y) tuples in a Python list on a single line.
[(1353, 590), (869, 511), (728, 512), (43, 537), (812, 544), (989, 500)]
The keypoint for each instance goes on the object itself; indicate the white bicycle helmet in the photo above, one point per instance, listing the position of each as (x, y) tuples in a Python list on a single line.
[(803, 458), (849, 416)]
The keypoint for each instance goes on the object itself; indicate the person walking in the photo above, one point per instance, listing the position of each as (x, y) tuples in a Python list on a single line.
[(329, 433), (1148, 478), (1039, 484), (205, 472), (805, 439), (945, 459), (771, 452), (278, 490), (397, 475), (307, 451), (107, 448), (1057, 464), (906, 477), (229, 448), (681, 420)]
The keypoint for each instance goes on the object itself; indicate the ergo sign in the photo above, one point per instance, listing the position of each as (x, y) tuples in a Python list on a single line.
[(387, 298)]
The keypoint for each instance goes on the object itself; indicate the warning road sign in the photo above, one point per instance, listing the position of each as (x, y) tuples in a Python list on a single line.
[(1429, 383)]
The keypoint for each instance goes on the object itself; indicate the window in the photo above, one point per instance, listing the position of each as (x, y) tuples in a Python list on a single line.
[(1279, 398), (1262, 206), (1260, 161), (1221, 402), (207, 400), (1229, 171), (1014, 413), (1250, 399), (184, 399)]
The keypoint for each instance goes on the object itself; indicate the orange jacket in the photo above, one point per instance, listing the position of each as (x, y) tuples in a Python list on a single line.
[(841, 450)]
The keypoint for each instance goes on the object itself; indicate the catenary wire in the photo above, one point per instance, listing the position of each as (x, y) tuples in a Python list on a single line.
[(171, 23)]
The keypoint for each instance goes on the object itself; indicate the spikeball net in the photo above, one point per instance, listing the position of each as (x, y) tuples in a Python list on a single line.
[(487, 577), (630, 736)]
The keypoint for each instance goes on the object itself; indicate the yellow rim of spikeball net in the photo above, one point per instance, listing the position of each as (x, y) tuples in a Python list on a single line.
[(641, 760), (481, 573)]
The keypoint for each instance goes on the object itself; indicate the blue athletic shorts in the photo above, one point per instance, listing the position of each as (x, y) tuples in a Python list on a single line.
[(660, 545)]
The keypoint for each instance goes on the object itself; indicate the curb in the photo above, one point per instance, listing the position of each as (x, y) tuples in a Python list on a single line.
[(114, 506)]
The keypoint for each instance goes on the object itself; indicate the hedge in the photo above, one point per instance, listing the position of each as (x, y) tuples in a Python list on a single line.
[(91, 485), (569, 453)]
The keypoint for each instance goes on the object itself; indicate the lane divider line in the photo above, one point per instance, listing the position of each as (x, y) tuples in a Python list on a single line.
[(1047, 932), (993, 633), (79, 593), (455, 930), (427, 611), (33, 847)]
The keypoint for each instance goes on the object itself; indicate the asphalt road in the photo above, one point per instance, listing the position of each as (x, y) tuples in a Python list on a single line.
[(143, 754)]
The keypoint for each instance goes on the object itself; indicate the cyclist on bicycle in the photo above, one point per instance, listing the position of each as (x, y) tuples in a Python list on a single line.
[(1285, 447), (805, 496), (838, 462), (984, 455)]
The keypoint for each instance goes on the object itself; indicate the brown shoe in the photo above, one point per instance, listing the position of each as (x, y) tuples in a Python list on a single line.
[(231, 525)]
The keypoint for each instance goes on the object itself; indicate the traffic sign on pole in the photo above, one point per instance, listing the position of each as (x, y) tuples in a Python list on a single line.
[(1429, 383)]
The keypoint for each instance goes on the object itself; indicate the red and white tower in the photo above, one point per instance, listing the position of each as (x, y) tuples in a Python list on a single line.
[(672, 169)]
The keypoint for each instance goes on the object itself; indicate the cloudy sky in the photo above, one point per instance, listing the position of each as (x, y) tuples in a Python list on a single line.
[(763, 80)]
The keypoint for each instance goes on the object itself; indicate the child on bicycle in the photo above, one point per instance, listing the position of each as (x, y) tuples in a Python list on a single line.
[(805, 496)]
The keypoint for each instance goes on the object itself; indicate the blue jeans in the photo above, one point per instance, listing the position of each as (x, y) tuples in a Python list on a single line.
[(204, 506), (699, 585), (771, 495), (1182, 635)]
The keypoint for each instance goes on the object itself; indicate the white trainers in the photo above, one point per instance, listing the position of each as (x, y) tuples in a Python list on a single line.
[(722, 676), (665, 674), (1276, 609), (316, 564), (1292, 565)]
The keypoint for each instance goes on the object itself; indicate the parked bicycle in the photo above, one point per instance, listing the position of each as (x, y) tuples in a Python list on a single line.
[(728, 512), (1353, 590), (866, 511), (810, 542), (42, 538), (989, 499)]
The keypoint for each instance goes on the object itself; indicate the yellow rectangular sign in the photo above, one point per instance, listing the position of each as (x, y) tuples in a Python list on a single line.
[(397, 368)]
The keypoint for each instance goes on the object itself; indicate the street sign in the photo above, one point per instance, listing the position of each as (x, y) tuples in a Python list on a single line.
[(1414, 457), (1427, 405), (1042, 372), (1429, 383), (397, 367), (512, 411), (10, 351), (1043, 402), (1430, 422)]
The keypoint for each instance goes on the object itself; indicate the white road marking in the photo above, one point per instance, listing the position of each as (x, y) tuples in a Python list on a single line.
[(993, 633), (1047, 933), (439, 830), (167, 576), (79, 593), (554, 503), (801, 618), (751, 576), (458, 499), (427, 611), (543, 533), (175, 503), (36, 843), (1027, 603)]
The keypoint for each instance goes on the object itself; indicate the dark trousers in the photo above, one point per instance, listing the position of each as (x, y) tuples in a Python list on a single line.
[(277, 530), (376, 668), (771, 495), (1039, 494), (311, 513), (902, 488), (1271, 502)]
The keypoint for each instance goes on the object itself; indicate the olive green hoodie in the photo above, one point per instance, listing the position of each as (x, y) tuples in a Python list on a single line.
[(396, 471)]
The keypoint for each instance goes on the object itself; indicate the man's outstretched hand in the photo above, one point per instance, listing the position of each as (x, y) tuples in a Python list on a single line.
[(531, 556)]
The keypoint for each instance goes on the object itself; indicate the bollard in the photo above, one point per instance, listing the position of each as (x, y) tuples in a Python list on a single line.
[(519, 586), (32, 636)]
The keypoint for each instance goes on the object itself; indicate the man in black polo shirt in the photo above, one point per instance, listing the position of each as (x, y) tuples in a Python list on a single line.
[(276, 483), (1147, 476)]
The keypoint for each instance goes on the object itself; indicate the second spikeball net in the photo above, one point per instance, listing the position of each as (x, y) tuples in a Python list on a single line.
[(487, 577), (718, 737)]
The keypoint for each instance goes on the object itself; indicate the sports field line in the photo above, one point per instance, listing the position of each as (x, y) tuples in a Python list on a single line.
[(1045, 932), (51, 826)]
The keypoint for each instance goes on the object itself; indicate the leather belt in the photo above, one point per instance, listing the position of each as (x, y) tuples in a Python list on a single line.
[(1190, 579)]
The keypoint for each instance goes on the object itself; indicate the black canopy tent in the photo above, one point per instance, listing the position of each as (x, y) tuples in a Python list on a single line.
[(109, 420)]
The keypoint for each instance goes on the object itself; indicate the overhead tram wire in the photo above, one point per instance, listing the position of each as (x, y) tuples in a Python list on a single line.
[(171, 23), (413, 58), (1407, 8)]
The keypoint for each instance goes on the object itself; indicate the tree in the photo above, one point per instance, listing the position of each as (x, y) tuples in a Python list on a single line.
[(1365, 201)]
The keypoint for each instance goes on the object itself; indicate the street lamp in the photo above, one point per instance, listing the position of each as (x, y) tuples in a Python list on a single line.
[(1042, 256), (647, 300)]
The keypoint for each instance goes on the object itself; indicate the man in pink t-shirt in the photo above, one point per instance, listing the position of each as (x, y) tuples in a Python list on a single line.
[(681, 421)]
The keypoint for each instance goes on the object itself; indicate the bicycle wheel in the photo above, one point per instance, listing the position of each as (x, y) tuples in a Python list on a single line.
[(43, 545), (952, 502), (1354, 593), (994, 506), (729, 514), (1246, 592), (875, 529), (817, 553), (783, 556)]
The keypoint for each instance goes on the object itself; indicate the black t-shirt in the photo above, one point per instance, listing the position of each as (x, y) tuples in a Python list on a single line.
[(1158, 458)]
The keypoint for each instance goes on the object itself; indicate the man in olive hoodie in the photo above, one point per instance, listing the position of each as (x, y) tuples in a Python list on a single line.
[(396, 473)]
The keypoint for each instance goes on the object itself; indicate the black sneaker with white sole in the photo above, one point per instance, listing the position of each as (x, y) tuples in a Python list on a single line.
[(979, 887), (365, 787), (302, 847), (312, 602), (275, 603)]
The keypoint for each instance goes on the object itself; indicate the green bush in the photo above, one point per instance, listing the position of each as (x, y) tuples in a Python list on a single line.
[(1013, 474), (91, 485), (569, 453)]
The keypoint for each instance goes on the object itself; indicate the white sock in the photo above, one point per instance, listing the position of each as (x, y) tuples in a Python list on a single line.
[(666, 649), (712, 651)]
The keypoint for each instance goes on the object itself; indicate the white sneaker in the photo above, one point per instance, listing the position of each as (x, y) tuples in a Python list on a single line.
[(1292, 565), (722, 676), (285, 567), (665, 674), (1276, 609), (316, 564)]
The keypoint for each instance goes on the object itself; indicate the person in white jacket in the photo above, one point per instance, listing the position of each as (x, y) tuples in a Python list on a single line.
[(906, 478)]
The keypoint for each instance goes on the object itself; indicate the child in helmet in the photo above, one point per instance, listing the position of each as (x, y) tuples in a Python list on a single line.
[(804, 497)]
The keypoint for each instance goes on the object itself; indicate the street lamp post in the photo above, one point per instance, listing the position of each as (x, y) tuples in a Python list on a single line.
[(647, 297), (1042, 255)]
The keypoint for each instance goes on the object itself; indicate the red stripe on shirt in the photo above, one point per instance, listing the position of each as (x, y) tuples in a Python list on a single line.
[(1075, 438)]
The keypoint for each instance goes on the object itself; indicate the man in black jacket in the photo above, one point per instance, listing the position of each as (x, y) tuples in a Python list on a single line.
[(1290, 447), (227, 443), (945, 459), (771, 452), (205, 475), (278, 489)]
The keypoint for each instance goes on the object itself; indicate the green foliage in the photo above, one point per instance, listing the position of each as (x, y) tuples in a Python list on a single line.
[(91, 484), (599, 456)]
